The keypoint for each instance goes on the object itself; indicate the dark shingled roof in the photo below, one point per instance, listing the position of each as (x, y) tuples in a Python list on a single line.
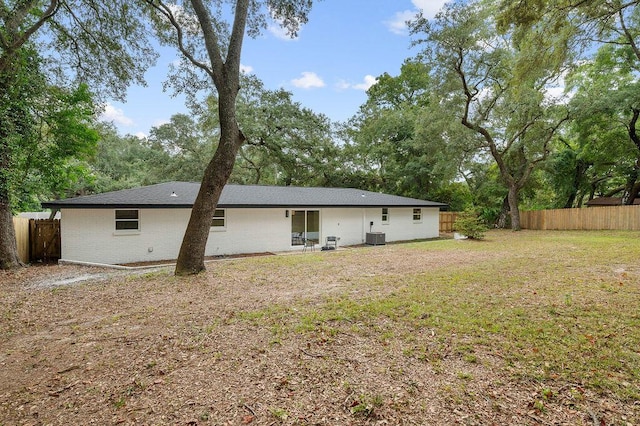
[(235, 196)]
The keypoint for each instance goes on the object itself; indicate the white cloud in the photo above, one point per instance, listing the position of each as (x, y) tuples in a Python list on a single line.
[(367, 82), (246, 69), (280, 32), (429, 9), (557, 96), (398, 24), (309, 80), (115, 115), (140, 135)]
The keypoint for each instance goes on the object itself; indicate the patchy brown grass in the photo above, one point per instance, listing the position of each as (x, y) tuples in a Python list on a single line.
[(523, 328)]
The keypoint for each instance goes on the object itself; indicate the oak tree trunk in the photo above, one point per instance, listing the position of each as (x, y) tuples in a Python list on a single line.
[(514, 210), (225, 74), (192, 251), (502, 221), (8, 249)]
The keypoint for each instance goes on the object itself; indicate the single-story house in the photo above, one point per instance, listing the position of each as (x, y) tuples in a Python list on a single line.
[(148, 223)]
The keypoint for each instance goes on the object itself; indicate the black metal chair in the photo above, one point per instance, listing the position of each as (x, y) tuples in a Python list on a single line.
[(296, 238), (308, 243), (332, 241)]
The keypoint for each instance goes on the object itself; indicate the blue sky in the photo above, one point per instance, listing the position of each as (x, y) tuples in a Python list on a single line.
[(336, 57)]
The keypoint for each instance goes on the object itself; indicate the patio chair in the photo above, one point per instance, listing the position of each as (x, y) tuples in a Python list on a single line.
[(296, 238), (331, 241), (308, 243)]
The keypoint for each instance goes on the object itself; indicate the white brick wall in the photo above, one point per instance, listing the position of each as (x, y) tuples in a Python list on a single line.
[(89, 235)]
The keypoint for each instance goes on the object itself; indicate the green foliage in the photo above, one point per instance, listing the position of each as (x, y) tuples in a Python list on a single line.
[(468, 223), (120, 162), (605, 103), (180, 150), (47, 133), (505, 114), (45, 119), (286, 143), (599, 156), (279, 413), (393, 143), (92, 41)]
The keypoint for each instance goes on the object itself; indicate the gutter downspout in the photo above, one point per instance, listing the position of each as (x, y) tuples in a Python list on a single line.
[(364, 225)]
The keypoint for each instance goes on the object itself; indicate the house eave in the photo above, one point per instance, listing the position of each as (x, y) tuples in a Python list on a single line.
[(56, 206)]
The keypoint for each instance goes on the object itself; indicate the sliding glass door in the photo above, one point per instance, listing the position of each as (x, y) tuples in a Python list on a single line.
[(305, 224)]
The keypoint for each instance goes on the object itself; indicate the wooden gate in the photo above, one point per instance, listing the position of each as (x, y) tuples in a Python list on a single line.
[(447, 220), (45, 239)]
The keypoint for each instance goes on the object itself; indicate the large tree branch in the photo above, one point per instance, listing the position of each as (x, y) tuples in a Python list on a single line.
[(628, 35), (163, 9), (211, 43), (90, 34), (10, 41), (490, 143), (235, 42), (545, 153), (469, 96), (520, 133), (18, 18)]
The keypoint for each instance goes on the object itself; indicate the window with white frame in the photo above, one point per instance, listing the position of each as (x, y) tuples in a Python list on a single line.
[(417, 215), (385, 215), (219, 220), (127, 220)]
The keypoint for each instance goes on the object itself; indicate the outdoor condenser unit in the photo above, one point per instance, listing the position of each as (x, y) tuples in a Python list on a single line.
[(375, 238)]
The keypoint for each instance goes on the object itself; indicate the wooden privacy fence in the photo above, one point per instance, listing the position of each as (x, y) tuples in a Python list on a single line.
[(446, 221), (37, 239), (21, 225), (591, 218)]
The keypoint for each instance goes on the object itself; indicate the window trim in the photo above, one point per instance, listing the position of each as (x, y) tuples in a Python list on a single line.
[(417, 215), (223, 217), (126, 231), (384, 216)]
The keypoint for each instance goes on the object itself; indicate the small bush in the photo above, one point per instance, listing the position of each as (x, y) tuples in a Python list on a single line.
[(468, 223)]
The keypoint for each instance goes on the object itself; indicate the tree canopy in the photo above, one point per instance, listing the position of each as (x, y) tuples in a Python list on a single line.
[(49, 51), (507, 105)]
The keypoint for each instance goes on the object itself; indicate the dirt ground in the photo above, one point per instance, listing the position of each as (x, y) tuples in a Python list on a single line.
[(96, 346)]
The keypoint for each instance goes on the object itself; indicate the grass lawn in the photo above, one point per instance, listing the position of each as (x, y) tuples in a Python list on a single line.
[(533, 327)]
